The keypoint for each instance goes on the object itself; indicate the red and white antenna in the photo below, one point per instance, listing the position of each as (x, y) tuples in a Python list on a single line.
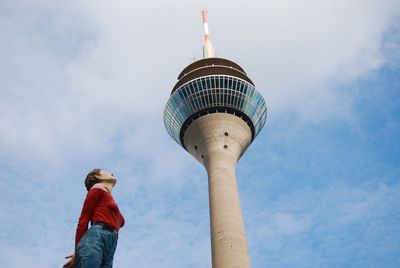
[(208, 50)]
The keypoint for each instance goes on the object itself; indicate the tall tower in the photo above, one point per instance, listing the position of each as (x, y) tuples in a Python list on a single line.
[(215, 112)]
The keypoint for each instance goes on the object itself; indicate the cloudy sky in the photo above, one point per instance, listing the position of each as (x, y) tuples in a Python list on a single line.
[(83, 84)]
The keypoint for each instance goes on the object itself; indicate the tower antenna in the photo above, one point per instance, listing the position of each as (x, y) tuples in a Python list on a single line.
[(208, 50)]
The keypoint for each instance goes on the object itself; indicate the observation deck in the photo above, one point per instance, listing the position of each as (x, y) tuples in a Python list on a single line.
[(213, 85)]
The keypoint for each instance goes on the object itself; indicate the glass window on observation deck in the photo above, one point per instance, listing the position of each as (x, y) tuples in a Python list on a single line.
[(241, 101), (200, 100), (228, 97), (217, 82), (203, 84), (197, 86), (221, 82), (191, 103), (185, 92), (212, 80), (241, 88), (203, 100), (234, 82), (191, 88), (237, 98), (208, 82), (214, 96)]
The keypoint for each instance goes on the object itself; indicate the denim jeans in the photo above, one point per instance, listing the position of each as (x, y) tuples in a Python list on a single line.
[(96, 248)]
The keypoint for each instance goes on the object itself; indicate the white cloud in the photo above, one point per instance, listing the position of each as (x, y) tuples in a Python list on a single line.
[(126, 55), (291, 224)]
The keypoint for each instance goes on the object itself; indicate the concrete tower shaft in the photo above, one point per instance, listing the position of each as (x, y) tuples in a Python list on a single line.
[(218, 140)]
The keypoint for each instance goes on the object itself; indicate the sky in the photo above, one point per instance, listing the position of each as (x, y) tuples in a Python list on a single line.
[(83, 85)]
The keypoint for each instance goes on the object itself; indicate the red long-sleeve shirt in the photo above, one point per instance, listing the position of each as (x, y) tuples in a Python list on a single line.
[(100, 206)]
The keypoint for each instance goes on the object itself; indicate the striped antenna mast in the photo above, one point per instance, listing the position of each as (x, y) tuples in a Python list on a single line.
[(208, 50)]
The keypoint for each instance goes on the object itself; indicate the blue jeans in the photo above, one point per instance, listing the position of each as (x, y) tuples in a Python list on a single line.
[(96, 248)]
